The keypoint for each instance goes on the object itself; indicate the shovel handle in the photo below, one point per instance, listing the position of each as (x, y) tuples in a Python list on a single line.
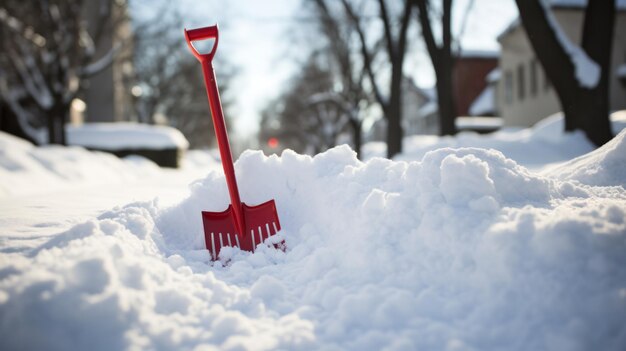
[(217, 115), (211, 32)]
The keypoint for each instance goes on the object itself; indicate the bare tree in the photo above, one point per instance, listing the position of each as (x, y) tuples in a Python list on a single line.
[(584, 99), (350, 75), (307, 116), (169, 87), (442, 60), (394, 39), (48, 53)]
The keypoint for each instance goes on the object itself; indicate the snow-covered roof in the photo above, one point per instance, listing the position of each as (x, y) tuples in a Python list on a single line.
[(484, 104), (117, 136), (478, 123), (428, 109), (486, 54), (430, 93), (494, 75)]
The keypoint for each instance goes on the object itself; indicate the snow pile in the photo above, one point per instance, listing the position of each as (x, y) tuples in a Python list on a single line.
[(26, 169), (605, 166), (465, 250), (535, 148), (118, 136)]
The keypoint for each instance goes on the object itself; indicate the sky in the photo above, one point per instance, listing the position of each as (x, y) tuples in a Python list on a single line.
[(256, 38)]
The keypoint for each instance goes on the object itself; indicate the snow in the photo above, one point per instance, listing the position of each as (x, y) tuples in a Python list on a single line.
[(481, 54), (494, 75), (484, 103), (118, 136), (478, 123), (538, 148), (603, 167), (428, 108), (459, 249)]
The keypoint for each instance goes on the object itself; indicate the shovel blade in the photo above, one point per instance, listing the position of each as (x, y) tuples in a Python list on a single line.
[(260, 221)]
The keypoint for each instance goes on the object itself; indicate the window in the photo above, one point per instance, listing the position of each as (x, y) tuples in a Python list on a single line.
[(508, 87), (533, 77), (520, 82)]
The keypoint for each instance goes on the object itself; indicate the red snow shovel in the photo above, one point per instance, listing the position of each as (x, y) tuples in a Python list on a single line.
[(240, 225)]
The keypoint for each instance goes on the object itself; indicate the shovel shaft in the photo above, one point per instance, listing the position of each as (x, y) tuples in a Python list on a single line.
[(222, 140)]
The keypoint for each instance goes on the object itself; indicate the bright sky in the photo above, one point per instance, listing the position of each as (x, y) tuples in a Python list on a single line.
[(255, 36)]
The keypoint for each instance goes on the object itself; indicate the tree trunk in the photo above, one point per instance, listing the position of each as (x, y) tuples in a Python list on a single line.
[(57, 118), (445, 97), (584, 108), (357, 136), (597, 42), (441, 58), (393, 112)]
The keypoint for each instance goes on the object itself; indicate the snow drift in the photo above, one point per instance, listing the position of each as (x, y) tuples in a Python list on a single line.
[(26, 169), (464, 250)]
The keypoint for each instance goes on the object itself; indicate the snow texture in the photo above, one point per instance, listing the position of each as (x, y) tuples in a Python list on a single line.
[(537, 148), (605, 166), (117, 136), (462, 250)]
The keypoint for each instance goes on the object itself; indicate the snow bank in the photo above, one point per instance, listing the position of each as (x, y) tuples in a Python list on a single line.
[(26, 169), (464, 250), (535, 148), (605, 166), (117, 136), (587, 70)]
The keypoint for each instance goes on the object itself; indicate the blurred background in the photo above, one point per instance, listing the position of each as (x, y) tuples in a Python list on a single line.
[(311, 74)]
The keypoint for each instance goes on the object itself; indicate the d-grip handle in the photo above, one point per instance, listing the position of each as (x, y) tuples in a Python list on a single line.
[(210, 32)]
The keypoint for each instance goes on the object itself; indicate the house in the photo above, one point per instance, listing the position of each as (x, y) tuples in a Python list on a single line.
[(523, 94), (485, 103), (419, 105), (419, 109), (468, 76)]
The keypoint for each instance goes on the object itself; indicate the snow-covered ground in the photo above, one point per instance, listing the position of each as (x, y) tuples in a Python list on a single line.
[(538, 148), (453, 249)]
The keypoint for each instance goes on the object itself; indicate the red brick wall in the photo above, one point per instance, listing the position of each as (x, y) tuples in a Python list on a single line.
[(468, 77)]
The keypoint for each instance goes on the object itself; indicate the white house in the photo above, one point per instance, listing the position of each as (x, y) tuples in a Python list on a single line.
[(419, 109), (523, 95)]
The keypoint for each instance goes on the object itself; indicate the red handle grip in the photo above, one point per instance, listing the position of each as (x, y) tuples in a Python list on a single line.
[(211, 32)]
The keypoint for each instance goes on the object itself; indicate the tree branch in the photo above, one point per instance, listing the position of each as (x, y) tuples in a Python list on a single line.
[(367, 57), (427, 31), (391, 47)]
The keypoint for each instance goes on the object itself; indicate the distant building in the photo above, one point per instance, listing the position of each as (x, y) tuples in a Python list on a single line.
[(108, 96), (470, 69), (523, 94), (419, 109)]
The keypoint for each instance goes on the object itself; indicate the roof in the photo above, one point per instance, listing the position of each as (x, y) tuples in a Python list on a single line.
[(484, 104), (480, 54), (494, 75)]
